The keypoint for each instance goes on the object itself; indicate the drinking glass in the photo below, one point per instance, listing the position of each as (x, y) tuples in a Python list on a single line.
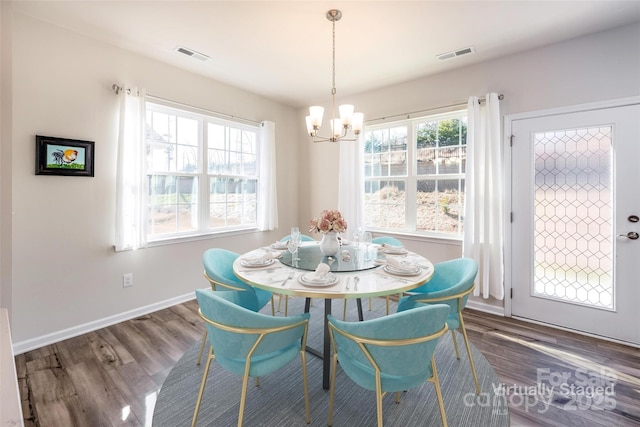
[(366, 239), (292, 246), (295, 233)]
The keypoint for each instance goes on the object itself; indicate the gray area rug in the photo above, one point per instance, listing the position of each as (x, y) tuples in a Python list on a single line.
[(279, 400)]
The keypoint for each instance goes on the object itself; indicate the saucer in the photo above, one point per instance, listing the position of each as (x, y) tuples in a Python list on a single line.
[(255, 263), (402, 271), (308, 279)]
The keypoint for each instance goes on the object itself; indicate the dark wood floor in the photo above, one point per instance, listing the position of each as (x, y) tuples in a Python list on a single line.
[(111, 376)]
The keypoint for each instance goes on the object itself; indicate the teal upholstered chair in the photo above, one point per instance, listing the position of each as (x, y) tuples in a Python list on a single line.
[(451, 284), (389, 354), (303, 238), (218, 270), (250, 344), (387, 240)]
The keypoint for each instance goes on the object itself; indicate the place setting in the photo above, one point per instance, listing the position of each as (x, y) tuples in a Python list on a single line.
[(259, 259), (322, 277), (397, 267)]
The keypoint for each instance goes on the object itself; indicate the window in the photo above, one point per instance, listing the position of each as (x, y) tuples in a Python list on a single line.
[(414, 175), (201, 173)]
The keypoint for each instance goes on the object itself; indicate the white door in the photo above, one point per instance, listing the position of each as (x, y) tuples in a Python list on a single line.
[(575, 192)]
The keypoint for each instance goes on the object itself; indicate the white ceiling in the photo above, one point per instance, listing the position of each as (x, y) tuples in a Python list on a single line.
[(282, 49)]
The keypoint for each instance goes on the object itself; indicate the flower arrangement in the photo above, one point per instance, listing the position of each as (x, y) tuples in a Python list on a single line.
[(329, 220)]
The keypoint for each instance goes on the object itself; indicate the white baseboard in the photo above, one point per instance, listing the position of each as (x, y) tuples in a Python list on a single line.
[(34, 343), (487, 308)]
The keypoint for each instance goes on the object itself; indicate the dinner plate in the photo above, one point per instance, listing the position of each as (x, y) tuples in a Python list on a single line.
[(256, 263), (279, 246), (402, 271), (308, 279), (395, 251)]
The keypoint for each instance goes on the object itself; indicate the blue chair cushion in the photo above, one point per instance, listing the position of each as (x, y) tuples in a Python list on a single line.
[(218, 264), (231, 348), (402, 367)]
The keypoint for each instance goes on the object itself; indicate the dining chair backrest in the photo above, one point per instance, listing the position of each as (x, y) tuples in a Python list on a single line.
[(387, 240), (218, 266), (303, 238), (450, 278), (401, 345), (241, 336)]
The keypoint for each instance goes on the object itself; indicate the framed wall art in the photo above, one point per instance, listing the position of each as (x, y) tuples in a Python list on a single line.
[(61, 156)]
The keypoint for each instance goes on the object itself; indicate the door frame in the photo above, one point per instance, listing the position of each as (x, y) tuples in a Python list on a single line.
[(508, 119)]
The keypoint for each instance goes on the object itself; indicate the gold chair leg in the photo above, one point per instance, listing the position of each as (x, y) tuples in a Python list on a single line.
[(243, 396), (279, 302), (466, 343), (370, 305), (286, 305), (202, 384), (332, 388), (305, 384), (344, 310), (397, 397), (273, 307), (379, 395), (455, 344), (387, 302), (436, 384), (204, 339)]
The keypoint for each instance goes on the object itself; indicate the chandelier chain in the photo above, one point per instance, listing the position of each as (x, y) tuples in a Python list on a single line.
[(333, 71)]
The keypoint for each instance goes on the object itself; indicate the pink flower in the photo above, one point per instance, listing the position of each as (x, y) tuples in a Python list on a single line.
[(329, 220)]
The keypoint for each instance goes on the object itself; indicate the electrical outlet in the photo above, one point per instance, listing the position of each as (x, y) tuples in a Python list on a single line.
[(127, 280)]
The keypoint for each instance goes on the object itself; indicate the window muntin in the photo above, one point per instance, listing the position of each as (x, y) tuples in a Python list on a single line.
[(414, 175), (185, 149)]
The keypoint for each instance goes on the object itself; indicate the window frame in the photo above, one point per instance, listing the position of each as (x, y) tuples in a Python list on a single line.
[(203, 229), (411, 178)]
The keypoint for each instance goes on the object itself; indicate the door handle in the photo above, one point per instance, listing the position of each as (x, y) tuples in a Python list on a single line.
[(630, 235)]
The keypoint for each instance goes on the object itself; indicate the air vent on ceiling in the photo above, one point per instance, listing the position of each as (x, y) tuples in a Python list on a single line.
[(192, 53), (455, 53)]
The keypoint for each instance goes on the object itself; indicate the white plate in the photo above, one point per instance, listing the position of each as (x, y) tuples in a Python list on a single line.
[(395, 251), (307, 279), (401, 272), (253, 263), (282, 246)]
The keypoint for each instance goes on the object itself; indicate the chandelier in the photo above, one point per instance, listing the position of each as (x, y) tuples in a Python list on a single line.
[(348, 119)]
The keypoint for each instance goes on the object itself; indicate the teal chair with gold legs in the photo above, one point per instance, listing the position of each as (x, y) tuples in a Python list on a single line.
[(250, 344), (452, 283), (389, 354), (218, 270)]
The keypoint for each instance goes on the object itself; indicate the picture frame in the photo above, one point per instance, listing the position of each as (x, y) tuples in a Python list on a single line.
[(63, 156)]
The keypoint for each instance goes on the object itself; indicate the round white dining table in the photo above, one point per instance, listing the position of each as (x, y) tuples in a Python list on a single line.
[(356, 271)]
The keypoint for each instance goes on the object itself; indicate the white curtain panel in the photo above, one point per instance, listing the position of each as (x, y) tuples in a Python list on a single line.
[(351, 184), (267, 193), (130, 185), (484, 202)]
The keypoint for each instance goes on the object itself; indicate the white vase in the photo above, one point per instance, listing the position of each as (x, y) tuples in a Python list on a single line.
[(329, 244)]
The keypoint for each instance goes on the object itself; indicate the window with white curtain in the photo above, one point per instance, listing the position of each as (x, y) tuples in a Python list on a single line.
[(414, 175), (202, 173)]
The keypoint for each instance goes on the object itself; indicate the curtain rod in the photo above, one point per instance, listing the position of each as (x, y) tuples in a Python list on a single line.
[(408, 115), (117, 90)]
